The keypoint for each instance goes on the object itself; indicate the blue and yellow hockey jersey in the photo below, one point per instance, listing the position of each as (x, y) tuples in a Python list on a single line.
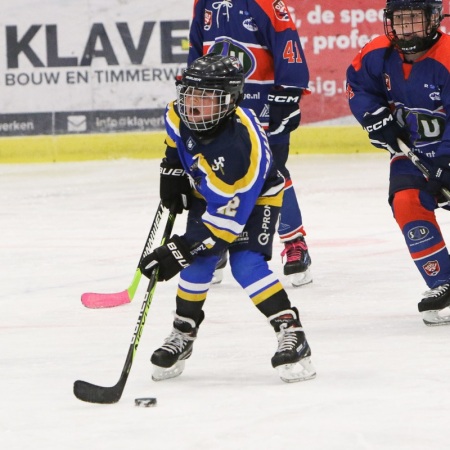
[(232, 172)]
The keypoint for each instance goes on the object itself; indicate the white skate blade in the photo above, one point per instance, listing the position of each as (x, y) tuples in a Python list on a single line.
[(300, 371), (164, 373), (300, 279), (217, 276), (433, 318)]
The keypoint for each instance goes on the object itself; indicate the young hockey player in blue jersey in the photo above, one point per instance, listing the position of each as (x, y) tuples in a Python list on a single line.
[(219, 166), (262, 35), (399, 88)]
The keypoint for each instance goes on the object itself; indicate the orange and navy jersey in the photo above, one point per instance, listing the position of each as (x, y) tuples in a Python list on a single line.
[(262, 35), (418, 94)]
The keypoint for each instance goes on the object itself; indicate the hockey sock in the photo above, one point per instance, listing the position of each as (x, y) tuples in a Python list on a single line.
[(414, 213)]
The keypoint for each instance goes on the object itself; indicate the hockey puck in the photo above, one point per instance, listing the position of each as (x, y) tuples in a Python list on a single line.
[(146, 402)]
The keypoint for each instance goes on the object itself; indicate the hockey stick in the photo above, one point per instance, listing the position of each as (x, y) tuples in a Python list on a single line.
[(418, 163), (98, 394), (94, 300)]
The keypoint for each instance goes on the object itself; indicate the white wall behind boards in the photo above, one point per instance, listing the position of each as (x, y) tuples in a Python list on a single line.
[(81, 57), (101, 66)]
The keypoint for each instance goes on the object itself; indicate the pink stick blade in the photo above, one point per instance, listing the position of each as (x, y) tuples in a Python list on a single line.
[(92, 300)]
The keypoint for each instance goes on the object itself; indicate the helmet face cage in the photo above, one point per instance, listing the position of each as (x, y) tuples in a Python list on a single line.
[(417, 19), (209, 91), (202, 109)]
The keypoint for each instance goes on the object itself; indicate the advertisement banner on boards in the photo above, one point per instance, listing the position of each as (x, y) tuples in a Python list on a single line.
[(106, 66), (89, 67)]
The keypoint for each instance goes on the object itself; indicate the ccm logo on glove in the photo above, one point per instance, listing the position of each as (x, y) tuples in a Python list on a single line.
[(284, 110), (380, 124), (384, 130), (283, 98)]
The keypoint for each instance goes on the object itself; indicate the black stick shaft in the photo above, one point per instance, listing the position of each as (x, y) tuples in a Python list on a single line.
[(418, 163), (99, 394)]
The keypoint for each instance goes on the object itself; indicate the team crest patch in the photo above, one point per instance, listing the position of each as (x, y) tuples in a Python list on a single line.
[(281, 11), (432, 268), (190, 144), (250, 24), (349, 92), (207, 19)]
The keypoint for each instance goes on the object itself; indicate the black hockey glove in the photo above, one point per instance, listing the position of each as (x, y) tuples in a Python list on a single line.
[(284, 110), (384, 130), (175, 188), (439, 169), (171, 258)]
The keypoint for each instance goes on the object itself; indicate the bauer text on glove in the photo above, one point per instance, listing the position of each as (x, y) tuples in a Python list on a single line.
[(171, 258), (284, 110), (175, 188)]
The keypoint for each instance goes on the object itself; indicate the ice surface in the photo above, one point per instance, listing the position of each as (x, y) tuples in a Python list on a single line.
[(70, 228)]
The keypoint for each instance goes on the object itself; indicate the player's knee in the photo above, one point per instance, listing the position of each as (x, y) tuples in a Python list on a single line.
[(245, 262), (412, 205)]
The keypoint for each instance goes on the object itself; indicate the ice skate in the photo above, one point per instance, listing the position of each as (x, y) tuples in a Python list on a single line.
[(218, 273), (434, 306), (298, 262), (292, 359), (169, 360)]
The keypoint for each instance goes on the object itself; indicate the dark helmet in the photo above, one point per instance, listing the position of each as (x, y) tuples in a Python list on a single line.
[(210, 78), (428, 24)]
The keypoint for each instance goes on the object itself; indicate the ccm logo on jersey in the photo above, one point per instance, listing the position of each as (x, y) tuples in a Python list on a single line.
[(380, 124), (283, 98)]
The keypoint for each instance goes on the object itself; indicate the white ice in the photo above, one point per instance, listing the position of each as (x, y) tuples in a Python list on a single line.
[(69, 228)]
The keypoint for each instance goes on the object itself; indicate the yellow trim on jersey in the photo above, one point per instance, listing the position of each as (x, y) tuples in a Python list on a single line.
[(222, 234), (266, 294), (247, 181), (276, 200), (172, 115), (170, 142), (173, 119), (197, 194), (191, 297)]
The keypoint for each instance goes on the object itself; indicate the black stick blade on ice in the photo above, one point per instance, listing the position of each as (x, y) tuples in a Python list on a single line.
[(98, 394)]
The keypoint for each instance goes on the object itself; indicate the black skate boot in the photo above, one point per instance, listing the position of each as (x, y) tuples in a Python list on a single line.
[(169, 359), (434, 301), (298, 262), (293, 356)]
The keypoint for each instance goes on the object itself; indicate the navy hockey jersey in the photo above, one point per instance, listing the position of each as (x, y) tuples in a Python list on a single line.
[(418, 94), (232, 173), (262, 35)]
